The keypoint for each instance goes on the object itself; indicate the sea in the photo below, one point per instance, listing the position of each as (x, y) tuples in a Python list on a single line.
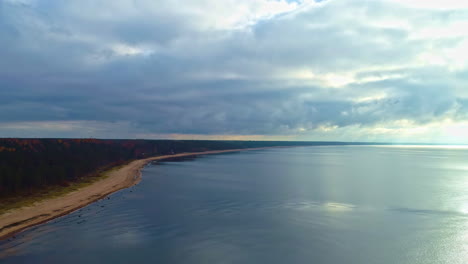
[(320, 204)]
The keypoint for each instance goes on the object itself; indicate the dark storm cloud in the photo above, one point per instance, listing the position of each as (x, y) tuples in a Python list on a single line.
[(186, 69)]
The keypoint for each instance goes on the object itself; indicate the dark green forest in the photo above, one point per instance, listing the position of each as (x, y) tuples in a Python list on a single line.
[(27, 165)]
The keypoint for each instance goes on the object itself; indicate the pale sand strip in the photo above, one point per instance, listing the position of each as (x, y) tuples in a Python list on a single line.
[(19, 219)]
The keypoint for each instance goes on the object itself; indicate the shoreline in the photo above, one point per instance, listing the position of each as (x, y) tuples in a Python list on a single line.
[(20, 219)]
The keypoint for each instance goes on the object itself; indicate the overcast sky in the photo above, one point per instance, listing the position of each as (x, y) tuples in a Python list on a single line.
[(347, 70)]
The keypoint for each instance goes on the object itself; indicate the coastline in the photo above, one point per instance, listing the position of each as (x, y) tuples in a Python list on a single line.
[(17, 220)]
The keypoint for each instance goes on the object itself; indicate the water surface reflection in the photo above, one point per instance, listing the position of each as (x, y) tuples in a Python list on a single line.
[(339, 204)]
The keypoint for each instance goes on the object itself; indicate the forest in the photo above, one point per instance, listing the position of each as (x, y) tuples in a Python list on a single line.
[(27, 165)]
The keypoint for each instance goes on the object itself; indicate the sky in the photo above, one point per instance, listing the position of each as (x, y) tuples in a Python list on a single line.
[(341, 70)]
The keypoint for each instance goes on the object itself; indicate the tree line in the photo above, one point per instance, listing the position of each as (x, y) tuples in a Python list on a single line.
[(29, 164)]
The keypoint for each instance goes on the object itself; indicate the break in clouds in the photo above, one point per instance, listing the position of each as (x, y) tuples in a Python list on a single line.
[(353, 70)]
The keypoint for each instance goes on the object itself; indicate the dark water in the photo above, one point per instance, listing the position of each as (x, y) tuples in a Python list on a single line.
[(299, 205)]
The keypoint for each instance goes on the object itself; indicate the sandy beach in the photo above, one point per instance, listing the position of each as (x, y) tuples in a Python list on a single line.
[(19, 219)]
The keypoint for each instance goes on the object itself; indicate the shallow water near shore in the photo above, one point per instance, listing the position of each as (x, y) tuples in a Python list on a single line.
[(336, 204)]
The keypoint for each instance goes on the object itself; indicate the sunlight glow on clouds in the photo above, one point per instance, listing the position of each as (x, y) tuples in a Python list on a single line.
[(351, 70), (434, 4)]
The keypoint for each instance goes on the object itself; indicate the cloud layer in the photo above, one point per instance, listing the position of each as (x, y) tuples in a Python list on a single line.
[(332, 70)]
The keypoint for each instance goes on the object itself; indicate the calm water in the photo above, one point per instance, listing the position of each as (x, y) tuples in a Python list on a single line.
[(299, 205)]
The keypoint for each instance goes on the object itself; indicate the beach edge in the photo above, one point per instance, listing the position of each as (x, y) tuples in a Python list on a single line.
[(20, 219)]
